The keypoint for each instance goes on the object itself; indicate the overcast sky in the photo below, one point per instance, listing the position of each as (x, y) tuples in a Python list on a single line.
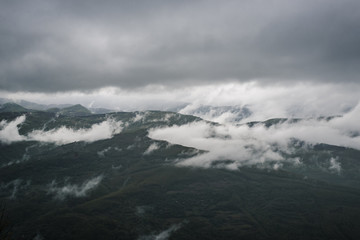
[(134, 47)]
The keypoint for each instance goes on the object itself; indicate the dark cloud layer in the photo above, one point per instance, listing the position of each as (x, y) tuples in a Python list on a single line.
[(82, 45)]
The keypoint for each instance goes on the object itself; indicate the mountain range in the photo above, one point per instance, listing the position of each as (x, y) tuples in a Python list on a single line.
[(66, 173), (50, 107)]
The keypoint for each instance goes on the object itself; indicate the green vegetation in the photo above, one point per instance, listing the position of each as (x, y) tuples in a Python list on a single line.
[(76, 110), (5, 229), (13, 107), (143, 194)]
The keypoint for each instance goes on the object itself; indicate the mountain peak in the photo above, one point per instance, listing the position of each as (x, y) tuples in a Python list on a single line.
[(13, 107), (75, 110)]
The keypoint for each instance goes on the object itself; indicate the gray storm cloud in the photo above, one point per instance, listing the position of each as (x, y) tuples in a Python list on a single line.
[(244, 145), (51, 46), (9, 132)]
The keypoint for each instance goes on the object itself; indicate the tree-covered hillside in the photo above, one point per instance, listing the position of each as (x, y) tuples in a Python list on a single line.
[(56, 184)]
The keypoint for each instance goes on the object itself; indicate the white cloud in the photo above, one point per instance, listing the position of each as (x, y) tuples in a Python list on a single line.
[(265, 101), (144, 117), (153, 147), (335, 165), (232, 146), (221, 143), (349, 123), (102, 152), (74, 190), (220, 114), (62, 135), (164, 235), (140, 116), (9, 130), (116, 167)]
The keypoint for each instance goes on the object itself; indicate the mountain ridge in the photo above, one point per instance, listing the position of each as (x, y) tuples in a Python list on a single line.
[(131, 186)]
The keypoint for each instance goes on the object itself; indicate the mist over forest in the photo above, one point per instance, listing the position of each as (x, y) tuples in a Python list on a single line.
[(156, 120)]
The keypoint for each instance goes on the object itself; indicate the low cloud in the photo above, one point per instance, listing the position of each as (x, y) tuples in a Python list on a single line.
[(62, 135), (24, 158), (153, 147), (73, 190), (145, 117), (9, 130), (164, 235), (227, 146), (295, 100), (141, 211), (219, 114), (38, 237), (232, 146), (103, 152), (335, 165), (12, 188), (140, 116)]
